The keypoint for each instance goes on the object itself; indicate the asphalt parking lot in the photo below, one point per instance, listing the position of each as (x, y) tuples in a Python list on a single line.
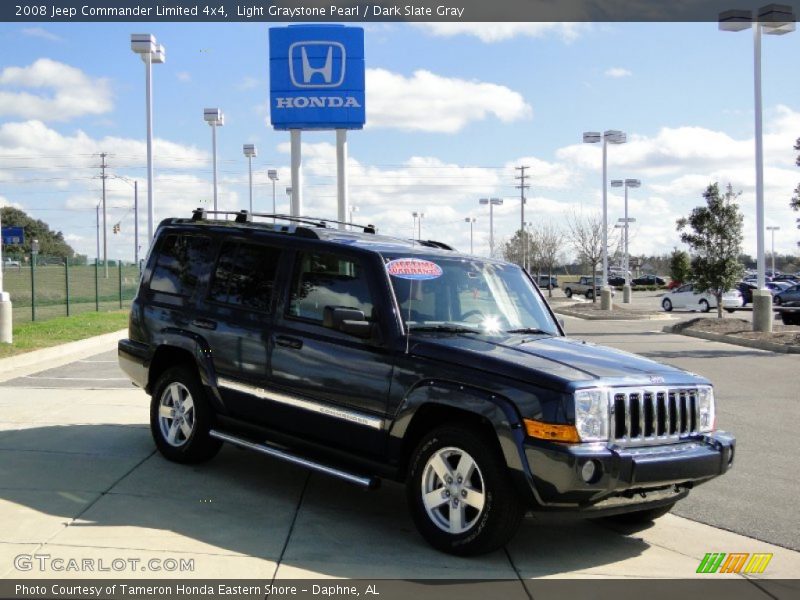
[(79, 478)]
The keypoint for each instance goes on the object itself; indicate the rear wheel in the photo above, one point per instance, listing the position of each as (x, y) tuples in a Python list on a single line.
[(460, 494), (589, 295), (666, 304), (776, 300), (705, 306), (568, 292), (180, 417)]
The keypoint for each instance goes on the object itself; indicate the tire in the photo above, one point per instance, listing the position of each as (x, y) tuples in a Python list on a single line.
[(568, 292), (730, 311), (189, 442), (666, 304), (776, 300), (790, 319), (482, 528), (640, 517), (589, 295), (705, 306)]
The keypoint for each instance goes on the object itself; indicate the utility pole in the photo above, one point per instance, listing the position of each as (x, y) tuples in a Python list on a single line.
[(136, 223), (524, 238), (103, 177)]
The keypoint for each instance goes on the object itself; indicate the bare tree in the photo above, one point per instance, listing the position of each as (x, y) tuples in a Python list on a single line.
[(586, 233), (550, 240)]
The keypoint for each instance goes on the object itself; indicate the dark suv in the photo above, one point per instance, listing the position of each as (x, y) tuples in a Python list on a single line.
[(365, 357)]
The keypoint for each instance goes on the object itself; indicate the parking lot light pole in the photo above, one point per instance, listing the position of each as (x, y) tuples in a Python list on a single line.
[(628, 183), (610, 136), (250, 152), (773, 19), (273, 177), (418, 222), (492, 202), (215, 118), (352, 209), (773, 229), (152, 53), (471, 221)]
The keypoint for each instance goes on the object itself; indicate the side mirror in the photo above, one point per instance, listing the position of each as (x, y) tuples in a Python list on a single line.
[(347, 320)]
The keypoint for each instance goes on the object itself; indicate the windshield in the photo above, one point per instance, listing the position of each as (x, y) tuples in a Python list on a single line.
[(466, 295)]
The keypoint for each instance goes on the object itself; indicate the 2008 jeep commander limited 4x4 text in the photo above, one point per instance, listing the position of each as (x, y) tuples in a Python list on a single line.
[(364, 357)]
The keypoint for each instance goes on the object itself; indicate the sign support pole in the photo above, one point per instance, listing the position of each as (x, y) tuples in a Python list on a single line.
[(5, 302), (341, 175), (297, 172)]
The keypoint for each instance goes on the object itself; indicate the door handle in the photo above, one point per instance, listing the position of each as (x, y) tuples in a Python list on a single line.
[(289, 342), (204, 324)]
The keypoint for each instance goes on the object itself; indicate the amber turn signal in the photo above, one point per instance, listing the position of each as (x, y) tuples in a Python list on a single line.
[(551, 431)]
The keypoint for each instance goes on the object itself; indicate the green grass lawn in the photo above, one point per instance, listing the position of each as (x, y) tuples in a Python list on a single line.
[(41, 334)]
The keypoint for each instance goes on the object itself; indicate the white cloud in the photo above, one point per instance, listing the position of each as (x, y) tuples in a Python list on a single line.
[(497, 32), (41, 33), (248, 83), (183, 76), (73, 92), (429, 102), (617, 72)]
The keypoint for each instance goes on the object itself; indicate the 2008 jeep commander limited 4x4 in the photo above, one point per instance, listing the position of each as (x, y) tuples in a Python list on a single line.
[(365, 357)]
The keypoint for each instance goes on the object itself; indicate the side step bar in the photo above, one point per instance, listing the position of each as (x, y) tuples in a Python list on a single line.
[(369, 483)]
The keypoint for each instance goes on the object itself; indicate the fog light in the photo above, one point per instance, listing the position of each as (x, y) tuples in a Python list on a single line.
[(588, 471)]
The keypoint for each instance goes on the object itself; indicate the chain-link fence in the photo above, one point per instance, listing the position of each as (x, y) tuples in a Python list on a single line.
[(53, 287)]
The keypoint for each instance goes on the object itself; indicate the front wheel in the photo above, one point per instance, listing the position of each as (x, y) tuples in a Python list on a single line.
[(180, 417), (666, 305), (589, 295), (776, 300), (705, 306), (568, 293), (459, 492)]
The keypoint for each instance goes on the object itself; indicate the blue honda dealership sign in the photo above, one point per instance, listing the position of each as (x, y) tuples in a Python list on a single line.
[(316, 77), (13, 235)]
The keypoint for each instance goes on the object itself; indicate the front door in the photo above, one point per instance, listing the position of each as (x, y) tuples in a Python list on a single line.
[(327, 384)]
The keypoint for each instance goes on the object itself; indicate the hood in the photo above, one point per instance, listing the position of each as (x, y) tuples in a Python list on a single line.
[(555, 362)]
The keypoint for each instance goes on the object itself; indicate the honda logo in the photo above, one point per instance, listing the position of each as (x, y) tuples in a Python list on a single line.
[(316, 64)]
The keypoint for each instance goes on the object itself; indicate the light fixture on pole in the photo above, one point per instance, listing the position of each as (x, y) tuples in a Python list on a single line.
[(418, 221), (773, 229), (215, 118), (250, 152), (492, 202), (273, 177), (289, 194), (773, 19), (152, 53), (471, 221), (628, 183), (610, 136)]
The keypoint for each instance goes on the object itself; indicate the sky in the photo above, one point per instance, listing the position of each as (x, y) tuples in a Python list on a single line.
[(452, 108)]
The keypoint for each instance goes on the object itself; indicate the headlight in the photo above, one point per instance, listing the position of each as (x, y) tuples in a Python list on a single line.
[(706, 408), (591, 415)]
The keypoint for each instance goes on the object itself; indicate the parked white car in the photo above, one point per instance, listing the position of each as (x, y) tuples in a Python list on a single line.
[(687, 297)]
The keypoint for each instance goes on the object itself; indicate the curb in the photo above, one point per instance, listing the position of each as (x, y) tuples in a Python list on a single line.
[(736, 341), (56, 356), (609, 317)]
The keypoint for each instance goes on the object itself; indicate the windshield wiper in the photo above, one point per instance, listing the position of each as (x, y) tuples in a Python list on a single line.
[(529, 330), (448, 327)]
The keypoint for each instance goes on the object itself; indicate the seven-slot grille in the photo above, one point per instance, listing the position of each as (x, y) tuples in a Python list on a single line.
[(646, 415)]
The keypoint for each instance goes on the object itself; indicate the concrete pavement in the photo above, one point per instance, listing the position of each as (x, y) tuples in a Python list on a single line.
[(79, 479)]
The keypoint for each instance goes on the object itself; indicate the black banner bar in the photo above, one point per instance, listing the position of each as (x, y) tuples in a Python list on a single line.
[(379, 11)]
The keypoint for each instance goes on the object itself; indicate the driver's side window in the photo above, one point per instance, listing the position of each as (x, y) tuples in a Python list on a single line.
[(321, 280)]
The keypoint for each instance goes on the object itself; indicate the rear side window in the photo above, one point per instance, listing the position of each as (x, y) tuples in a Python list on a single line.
[(180, 263), (245, 275), (322, 280)]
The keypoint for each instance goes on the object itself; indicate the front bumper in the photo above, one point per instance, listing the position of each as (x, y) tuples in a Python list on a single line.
[(625, 478)]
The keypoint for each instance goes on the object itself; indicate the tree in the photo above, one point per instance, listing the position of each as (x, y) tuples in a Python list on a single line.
[(714, 233), (795, 201), (680, 266), (587, 239), (51, 243), (549, 239), (514, 249)]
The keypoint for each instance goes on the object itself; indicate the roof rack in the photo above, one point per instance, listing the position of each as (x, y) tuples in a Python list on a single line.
[(243, 216), (434, 244)]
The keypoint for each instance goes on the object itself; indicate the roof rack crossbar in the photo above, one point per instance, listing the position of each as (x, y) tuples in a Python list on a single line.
[(244, 216)]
